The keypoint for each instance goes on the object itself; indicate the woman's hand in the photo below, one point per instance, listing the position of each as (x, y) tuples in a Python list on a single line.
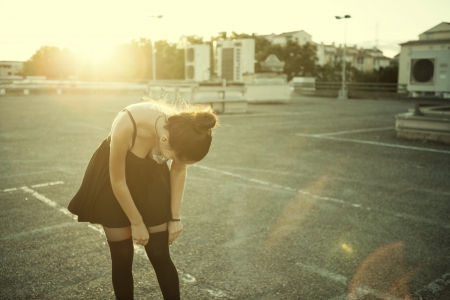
[(175, 229), (140, 233)]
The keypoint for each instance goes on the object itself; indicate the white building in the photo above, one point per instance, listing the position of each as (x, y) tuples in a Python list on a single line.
[(197, 62), (326, 53), (301, 37), (434, 40), (233, 59), (365, 60), (10, 69)]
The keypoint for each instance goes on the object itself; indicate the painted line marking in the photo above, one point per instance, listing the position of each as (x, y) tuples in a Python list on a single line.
[(359, 291), (329, 199), (324, 273), (354, 131), (374, 143), (438, 285), (27, 174), (81, 124), (40, 230), (35, 186), (341, 297), (111, 110), (217, 294), (263, 115), (139, 250), (248, 169), (49, 202), (47, 184)]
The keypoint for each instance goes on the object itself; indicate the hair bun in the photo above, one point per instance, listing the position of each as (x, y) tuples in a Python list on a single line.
[(204, 121)]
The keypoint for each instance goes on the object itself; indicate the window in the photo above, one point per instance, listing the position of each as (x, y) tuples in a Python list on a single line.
[(429, 36)]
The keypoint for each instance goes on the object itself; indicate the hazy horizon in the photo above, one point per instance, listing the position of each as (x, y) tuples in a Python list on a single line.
[(96, 27)]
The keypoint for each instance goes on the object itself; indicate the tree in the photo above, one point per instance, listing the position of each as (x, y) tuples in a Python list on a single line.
[(51, 62), (169, 60), (388, 75), (300, 60), (129, 61)]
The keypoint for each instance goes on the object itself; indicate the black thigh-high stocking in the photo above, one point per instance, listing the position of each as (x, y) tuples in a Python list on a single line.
[(122, 262), (158, 252)]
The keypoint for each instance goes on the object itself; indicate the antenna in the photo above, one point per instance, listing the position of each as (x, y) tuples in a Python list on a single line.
[(376, 36)]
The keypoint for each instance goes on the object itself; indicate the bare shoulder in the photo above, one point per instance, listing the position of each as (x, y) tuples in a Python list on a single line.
[(122, 128), (145, 113)]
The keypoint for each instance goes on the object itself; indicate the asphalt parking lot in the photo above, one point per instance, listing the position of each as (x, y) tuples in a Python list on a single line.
[(315, 199)]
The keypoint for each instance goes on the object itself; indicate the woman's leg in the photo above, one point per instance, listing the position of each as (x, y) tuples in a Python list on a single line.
[(158, 252), (121, 249)]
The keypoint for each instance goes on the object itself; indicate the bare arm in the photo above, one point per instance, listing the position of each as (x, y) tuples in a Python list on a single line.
[(177, 182), (120, 143)]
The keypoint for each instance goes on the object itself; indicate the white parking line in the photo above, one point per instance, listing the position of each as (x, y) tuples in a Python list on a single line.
[(139, 250), (262, 115), (438, 286), (47, 184), (329, 199), (35, 186), (354, 131), (31, 232), (49, 202), (82, 124), (373, 143), (359, 292), (324, 273)]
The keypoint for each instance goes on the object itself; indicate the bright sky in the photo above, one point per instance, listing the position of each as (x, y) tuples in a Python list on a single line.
[(96, 26)]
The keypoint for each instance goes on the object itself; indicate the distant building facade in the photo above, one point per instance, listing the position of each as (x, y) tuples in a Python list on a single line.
[(366, 60), (434, 40), (301, 37), (10, 69)]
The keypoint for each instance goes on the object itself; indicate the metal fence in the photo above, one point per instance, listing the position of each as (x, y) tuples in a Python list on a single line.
[(355, 89)]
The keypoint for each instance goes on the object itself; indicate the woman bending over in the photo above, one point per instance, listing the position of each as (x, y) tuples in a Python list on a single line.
[(129, 189)]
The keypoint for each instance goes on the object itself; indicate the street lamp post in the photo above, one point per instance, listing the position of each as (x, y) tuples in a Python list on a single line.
[(343, 91), (154, 51)]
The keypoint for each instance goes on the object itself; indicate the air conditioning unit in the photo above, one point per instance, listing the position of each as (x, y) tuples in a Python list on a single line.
[(429, 73), (197, 62), (234, 58)]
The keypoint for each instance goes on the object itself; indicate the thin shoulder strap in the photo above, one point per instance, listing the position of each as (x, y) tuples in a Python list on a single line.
[(134, 127)]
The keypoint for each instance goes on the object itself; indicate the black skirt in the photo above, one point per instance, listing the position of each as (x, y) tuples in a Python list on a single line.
[(148, 182)]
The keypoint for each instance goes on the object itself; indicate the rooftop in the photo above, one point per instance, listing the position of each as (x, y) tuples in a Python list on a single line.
[(426, 42)]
